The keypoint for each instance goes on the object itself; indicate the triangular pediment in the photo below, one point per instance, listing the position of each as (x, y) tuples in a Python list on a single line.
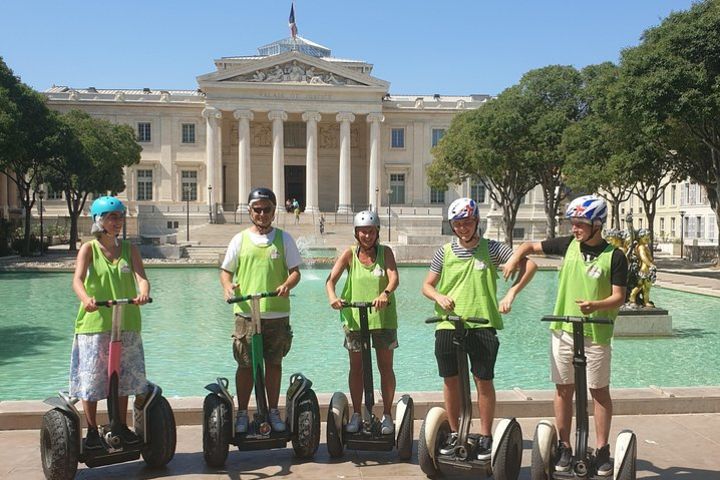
[(293, 68)]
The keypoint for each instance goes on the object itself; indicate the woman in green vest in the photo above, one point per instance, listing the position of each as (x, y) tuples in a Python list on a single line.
[(462, 281), (592, 283), (372, 277), (107, 269)]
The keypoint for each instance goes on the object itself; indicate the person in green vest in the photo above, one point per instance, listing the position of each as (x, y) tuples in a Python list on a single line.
[(372, 277), (107, 269), (592, 283), (462, 281), (261, 258)]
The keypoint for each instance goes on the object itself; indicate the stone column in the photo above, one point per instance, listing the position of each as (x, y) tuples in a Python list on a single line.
[(311, 159), (344, 193), (212, 115), (374, 119), (278, 159), (244, 118)]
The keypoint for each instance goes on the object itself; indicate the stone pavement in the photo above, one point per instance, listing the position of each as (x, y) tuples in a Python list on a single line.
[(670, 447)]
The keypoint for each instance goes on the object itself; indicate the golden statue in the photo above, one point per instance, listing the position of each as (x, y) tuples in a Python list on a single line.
[(644, 268)]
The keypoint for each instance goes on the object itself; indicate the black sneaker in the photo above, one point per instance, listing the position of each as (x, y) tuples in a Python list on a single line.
[(564, 458), (603, 462), (484, 448), (450, 443), (92, 440), (128, 437)]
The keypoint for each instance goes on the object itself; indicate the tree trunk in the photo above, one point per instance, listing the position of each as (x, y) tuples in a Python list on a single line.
[(73, 232), (28, 218)]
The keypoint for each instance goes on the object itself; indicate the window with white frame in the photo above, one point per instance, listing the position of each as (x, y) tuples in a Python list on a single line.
[(188, 133), (397, 188), (437, 134), (144, 185), (699, 227), (189, 185), (437, 196), (672, 227), (143, 132), (397, 138), (662, 197), (518, 233), (673, 193), (662, 226), (477, 192), (294, 134)]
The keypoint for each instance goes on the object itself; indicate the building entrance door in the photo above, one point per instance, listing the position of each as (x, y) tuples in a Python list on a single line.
[(295, 184)]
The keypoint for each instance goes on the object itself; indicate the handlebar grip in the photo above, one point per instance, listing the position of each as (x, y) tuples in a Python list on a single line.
[(433, 320), (244, 298)]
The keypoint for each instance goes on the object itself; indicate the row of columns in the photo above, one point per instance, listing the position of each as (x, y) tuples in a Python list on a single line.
[(278, 117)]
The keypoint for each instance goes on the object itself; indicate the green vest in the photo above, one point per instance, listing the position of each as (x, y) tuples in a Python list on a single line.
[(106, 280), (587, 281), (471, 284), (261, 268), (364, 283)]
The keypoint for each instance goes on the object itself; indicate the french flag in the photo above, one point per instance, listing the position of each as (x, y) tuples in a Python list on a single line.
[(291, 21)]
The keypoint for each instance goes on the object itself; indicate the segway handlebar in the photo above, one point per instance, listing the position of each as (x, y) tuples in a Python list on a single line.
[(358, 304), (118, 301), (571, 319), (245, 298), (458, 318)]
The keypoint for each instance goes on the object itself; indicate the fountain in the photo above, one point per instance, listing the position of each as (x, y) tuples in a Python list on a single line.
[(314, 251)]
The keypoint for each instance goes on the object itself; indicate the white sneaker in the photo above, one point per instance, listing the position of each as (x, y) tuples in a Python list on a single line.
[(277, 423), (241, 422), (387, 425), (353, 425)]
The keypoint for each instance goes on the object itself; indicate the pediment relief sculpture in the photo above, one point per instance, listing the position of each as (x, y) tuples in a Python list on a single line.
[(294, 72)]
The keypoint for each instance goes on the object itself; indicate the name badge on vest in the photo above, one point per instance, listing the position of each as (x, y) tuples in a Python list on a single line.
[(378, 272), (594, 271), (479, 264), (274, 254), (124, 267)]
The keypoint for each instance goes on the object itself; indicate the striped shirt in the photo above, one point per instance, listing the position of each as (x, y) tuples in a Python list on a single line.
[(499, 254)]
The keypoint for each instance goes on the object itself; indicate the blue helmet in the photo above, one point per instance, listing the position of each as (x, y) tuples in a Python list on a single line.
[(106, 204), (590, 208), (463, 208)]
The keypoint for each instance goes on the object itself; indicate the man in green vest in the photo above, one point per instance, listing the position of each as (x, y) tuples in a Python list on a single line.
[(462, 281), (592, 283), (259, 259)]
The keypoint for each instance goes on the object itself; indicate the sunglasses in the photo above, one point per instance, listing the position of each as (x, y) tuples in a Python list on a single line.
[(260, 210)]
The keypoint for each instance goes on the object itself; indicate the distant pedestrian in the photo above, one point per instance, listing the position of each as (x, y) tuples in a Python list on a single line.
[(288, 205), (322, 224), (296, 210)]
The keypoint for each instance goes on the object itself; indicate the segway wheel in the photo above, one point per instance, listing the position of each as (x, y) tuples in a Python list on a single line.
[(337, 418), (59, 445), (434, 430), (159, 448), (217, 430), (625, 456), (405, 430), (307, 425), (507, 459), (543, 451)]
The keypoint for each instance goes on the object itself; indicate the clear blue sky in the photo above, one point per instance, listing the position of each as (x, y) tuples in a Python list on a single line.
[(450, 47)]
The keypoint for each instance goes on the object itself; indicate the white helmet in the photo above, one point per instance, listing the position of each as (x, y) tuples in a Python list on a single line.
[(590, 208), (463, 208), (366, 218)]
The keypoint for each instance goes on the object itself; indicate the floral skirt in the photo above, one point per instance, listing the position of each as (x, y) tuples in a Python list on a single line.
[(89, 366)]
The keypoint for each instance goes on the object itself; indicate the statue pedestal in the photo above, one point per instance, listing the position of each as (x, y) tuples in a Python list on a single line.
[(643, 322)]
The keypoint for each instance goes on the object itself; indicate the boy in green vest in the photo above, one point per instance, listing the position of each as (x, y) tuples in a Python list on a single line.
[(592, 283), (261, 259), (107, 269), (462, 282), (372, 277)]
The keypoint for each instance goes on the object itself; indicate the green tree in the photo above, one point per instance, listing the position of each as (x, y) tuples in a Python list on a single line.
[(95, 153), (489, 144)]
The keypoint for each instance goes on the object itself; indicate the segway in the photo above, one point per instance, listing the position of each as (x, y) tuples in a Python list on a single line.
[(369, 436), (61, 444), (545, 442), (504, 462), (302, 408)]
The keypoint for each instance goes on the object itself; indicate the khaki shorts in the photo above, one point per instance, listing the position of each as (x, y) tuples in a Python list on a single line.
[(277, 340), (598, 361), (382, 339)]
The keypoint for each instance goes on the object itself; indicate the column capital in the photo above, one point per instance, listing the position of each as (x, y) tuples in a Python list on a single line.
[(311, 116), (375, 117), (345, 117), (277, 115), (246, 114), (211, 112)]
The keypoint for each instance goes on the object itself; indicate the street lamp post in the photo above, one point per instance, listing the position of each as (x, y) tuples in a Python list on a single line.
[(682, 234), (186, 191), (210, 203), (41, 194), (389, 193), (376, 202)]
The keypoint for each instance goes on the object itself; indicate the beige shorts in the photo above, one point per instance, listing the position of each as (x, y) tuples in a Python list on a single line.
[(598, 361)]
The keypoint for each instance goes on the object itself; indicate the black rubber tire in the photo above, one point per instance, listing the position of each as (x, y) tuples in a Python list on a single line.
[(59, 445), (537, 466), (162, 434), (335, 444), (628, 468), (405, 433), (306, 439), (509, 455), (217, 430), (427, 465)]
